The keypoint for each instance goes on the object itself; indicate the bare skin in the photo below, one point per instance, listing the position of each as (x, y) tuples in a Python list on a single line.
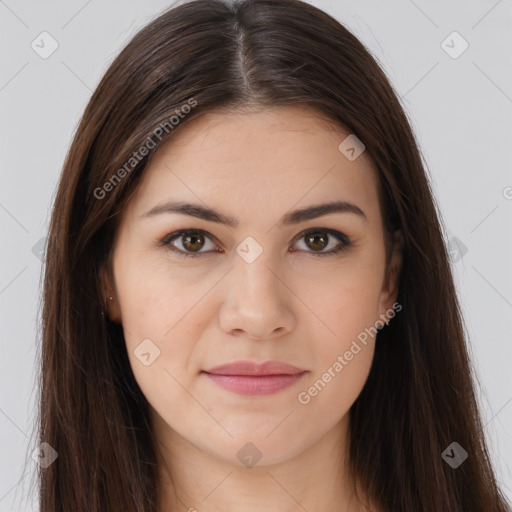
[(290, 304)]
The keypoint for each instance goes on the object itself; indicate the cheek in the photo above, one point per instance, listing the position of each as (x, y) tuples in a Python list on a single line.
[(343, 363), (163, 318), (346, 301), (348, 308), (329, 394), (161, 362), (158, 298)]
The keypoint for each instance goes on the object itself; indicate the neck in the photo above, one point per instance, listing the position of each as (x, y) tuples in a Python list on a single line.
[(315, 479)]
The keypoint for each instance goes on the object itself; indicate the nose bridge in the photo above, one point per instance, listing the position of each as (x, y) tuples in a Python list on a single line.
[(255, 272)]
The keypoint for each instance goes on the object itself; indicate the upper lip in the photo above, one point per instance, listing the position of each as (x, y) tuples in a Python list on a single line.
[(251, 368)]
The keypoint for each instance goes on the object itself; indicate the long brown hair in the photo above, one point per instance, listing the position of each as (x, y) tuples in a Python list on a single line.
[(212, 54)]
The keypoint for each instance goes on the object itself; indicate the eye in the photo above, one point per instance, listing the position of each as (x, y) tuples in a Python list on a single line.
[(317, 239), (320, 238), (191, 242)]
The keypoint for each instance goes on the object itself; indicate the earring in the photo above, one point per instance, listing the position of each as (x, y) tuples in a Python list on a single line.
[(105, 308)]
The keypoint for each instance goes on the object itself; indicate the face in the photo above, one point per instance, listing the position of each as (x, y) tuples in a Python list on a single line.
[(193, 292)]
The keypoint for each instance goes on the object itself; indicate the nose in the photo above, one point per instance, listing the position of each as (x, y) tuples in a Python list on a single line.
[(258, 302)]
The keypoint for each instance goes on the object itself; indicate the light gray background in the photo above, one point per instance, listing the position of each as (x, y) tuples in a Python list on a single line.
[(460, 109)]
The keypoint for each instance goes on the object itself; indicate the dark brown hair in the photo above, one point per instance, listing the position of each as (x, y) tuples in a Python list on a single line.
[(211, 54)]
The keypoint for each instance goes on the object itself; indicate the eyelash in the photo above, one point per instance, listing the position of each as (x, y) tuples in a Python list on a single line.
[(345, 241)]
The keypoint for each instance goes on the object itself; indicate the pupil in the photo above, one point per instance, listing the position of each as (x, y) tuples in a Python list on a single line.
[(193, 237), (315, 237)]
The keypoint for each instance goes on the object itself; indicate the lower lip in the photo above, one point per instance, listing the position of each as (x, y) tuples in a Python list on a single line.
[(254, 384)]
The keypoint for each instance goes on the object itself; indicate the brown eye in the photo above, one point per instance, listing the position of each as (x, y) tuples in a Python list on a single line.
[(193, 242), (317, 241), (189, 243)]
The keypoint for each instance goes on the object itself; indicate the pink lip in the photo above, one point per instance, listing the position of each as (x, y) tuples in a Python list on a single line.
[(248, 378)]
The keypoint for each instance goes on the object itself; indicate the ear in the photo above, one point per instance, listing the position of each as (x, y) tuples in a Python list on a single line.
[(389, 291), (113, 311)]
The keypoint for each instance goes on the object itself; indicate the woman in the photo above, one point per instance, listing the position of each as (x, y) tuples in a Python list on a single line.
[(248, 303)]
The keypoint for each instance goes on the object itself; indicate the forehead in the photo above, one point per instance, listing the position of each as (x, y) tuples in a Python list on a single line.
[(250, 161)]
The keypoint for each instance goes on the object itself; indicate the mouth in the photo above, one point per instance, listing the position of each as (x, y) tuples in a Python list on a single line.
[(248, 378)]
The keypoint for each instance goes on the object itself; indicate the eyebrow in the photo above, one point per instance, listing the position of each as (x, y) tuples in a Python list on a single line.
[(291, 218)]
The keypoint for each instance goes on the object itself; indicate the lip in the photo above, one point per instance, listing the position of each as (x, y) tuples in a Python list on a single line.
[(248, 378), (250, 368)]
